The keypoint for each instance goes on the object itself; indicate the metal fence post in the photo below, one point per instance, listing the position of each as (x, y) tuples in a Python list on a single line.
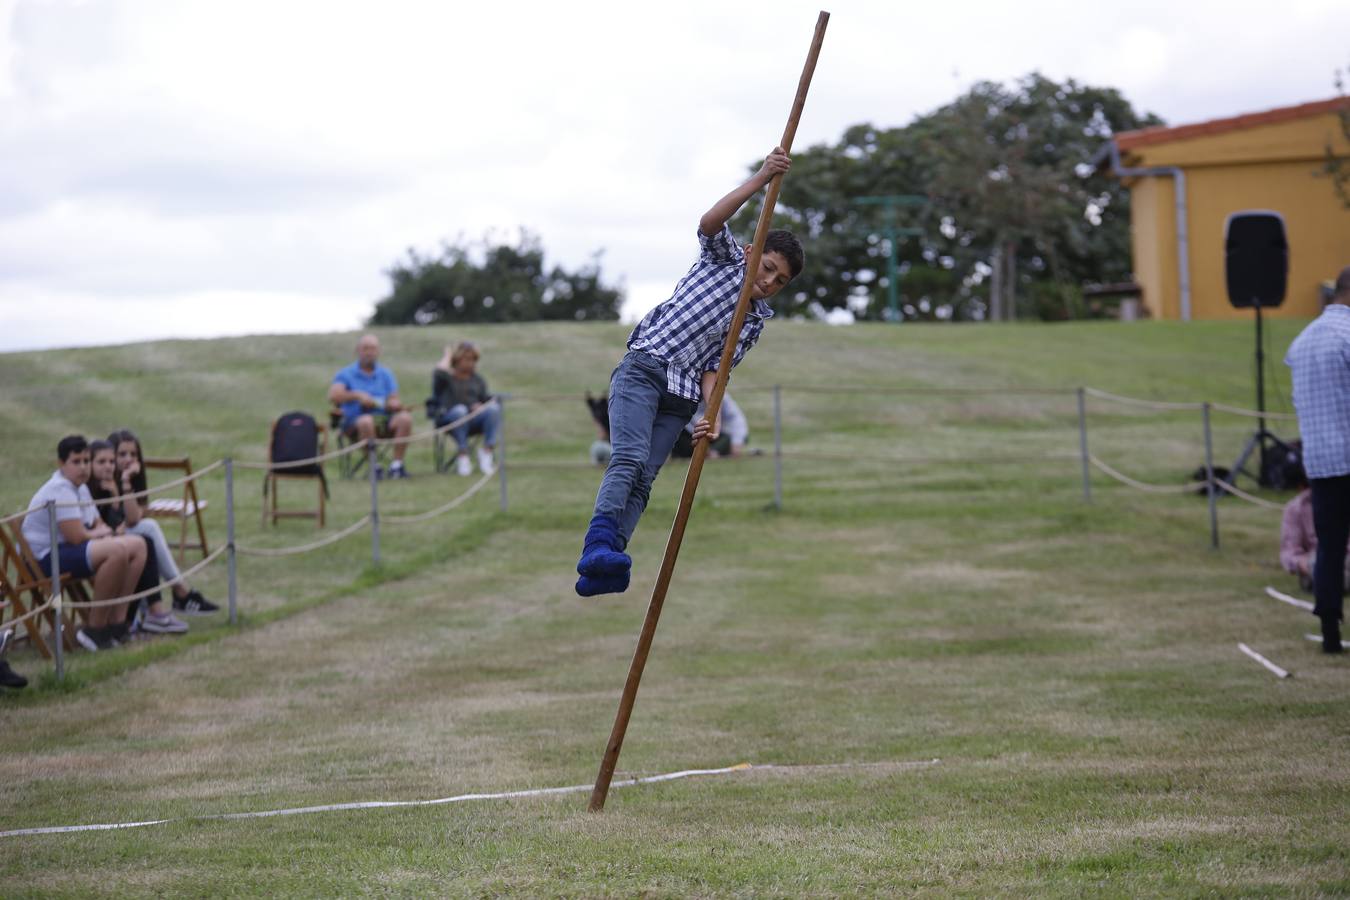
[(372, 464), (1083, 445), (58, 628), (501, 447), (229, 541), (1209, 481), (777, 446)]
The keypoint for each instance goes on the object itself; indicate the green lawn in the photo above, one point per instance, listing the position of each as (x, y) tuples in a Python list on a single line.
[(1073, 666)]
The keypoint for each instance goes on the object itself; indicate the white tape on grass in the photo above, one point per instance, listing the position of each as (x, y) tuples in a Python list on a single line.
[(1345, 645), (387, 804), (1279, 673), (1285, 598)]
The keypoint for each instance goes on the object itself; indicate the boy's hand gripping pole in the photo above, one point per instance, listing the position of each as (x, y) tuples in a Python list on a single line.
[(714, 405)]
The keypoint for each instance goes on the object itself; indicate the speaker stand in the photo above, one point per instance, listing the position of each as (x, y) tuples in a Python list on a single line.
[(1261, 439)]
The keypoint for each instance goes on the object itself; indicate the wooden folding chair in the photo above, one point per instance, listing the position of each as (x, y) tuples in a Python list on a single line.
[(189, 506), (27, 578), (273, 476)]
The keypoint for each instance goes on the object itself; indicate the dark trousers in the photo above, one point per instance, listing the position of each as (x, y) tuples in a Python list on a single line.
[(1331, 521), (149, 578)]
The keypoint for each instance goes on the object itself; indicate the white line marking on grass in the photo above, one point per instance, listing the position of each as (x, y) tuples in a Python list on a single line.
[(1292, 601), (1318, 639), (506, 795), (1280, 673)]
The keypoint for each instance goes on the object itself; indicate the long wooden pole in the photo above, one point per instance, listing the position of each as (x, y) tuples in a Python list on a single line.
[(714, 404)]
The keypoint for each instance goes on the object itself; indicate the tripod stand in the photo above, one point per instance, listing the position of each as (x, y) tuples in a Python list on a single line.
[(1260, 440)]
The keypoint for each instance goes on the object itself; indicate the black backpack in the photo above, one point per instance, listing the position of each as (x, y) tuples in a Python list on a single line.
[(295, 436)]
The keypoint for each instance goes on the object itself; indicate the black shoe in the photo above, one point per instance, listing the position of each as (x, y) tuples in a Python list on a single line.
[(9, 678), (95, 639), (194, 604), (1331, 636)]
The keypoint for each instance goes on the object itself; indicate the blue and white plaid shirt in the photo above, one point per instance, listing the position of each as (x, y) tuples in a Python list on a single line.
[(1320, 359), (688, 330)]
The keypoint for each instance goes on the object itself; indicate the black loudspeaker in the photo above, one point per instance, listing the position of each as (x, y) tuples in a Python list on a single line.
[(1256, 259)]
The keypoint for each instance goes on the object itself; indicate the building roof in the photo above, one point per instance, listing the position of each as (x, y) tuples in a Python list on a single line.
[(1162, 134)]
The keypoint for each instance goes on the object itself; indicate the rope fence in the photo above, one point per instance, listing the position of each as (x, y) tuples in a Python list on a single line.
[(373, 518)]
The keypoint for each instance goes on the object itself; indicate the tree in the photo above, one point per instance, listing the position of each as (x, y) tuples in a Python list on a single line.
[(1015, 218), (493, 281)]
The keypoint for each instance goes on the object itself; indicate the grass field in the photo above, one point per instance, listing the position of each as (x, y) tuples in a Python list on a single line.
[(1072, 666)]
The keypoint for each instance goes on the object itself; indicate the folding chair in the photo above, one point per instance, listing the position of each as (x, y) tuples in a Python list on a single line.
[(274, 476), (28, 578), (351, 463), (182, 509)]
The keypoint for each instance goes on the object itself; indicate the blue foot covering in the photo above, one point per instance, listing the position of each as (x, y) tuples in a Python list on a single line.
[(589, 586), (601, 555)]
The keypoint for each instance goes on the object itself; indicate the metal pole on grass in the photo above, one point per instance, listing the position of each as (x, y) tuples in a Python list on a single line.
[(501, 447), (1209, 480), (229, 541), (1082, 445), (58, 628), (372, 464), (777, 447), (714, 405)]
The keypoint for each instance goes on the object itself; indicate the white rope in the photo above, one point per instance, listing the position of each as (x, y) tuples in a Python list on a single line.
[(132, 598), (1144, 486), (32, 613), (1285, 598), (461, 798), (1253, 413), (305, 548), (441, 429), (322, 457), (1149, 404), (118, 498), (1238, 492), (1279, 673), (433, 513)]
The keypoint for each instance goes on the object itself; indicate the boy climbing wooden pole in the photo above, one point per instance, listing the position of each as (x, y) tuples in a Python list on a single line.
[(602, 540)]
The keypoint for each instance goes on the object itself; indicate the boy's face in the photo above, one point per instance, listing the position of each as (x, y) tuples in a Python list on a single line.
[(76, 467), (774, 274)]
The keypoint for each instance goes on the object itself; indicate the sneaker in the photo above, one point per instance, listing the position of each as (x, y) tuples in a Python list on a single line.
[(164, 623), (486, 464), (397, 471), (379, 472), (462, 464), (194, 604), (9, 678), (95, 639), (5, 636)]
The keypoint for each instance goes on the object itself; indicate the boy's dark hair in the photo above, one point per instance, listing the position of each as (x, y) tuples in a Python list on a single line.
[(785, 242), (71, 443)]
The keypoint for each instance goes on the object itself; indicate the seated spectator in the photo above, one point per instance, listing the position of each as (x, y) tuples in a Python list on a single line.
[(735, 431), (601, 449), (368, 395), (129, 478), (8, 677), (1298, 539), (119, 515), (457, 390), (87, 546)]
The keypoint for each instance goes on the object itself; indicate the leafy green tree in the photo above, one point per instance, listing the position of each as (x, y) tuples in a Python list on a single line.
[(491, 281), (1337, 167), (1015, 219)]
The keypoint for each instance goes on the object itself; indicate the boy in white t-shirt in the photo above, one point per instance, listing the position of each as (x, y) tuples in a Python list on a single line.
[(87, 547)]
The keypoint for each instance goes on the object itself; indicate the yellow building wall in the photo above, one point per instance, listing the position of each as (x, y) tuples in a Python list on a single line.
[(1266, 167)]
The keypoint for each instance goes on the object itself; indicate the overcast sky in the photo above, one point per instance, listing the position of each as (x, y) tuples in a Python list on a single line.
[(172, 168)]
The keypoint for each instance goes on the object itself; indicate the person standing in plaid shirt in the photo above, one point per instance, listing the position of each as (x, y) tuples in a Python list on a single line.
[(1320, 360), (671, 363)]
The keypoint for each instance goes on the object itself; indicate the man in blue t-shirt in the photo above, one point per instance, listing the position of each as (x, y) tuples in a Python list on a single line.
[(368, 395)]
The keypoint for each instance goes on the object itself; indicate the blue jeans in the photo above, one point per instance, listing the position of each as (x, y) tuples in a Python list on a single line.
[(485, 423), (644, 420)]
